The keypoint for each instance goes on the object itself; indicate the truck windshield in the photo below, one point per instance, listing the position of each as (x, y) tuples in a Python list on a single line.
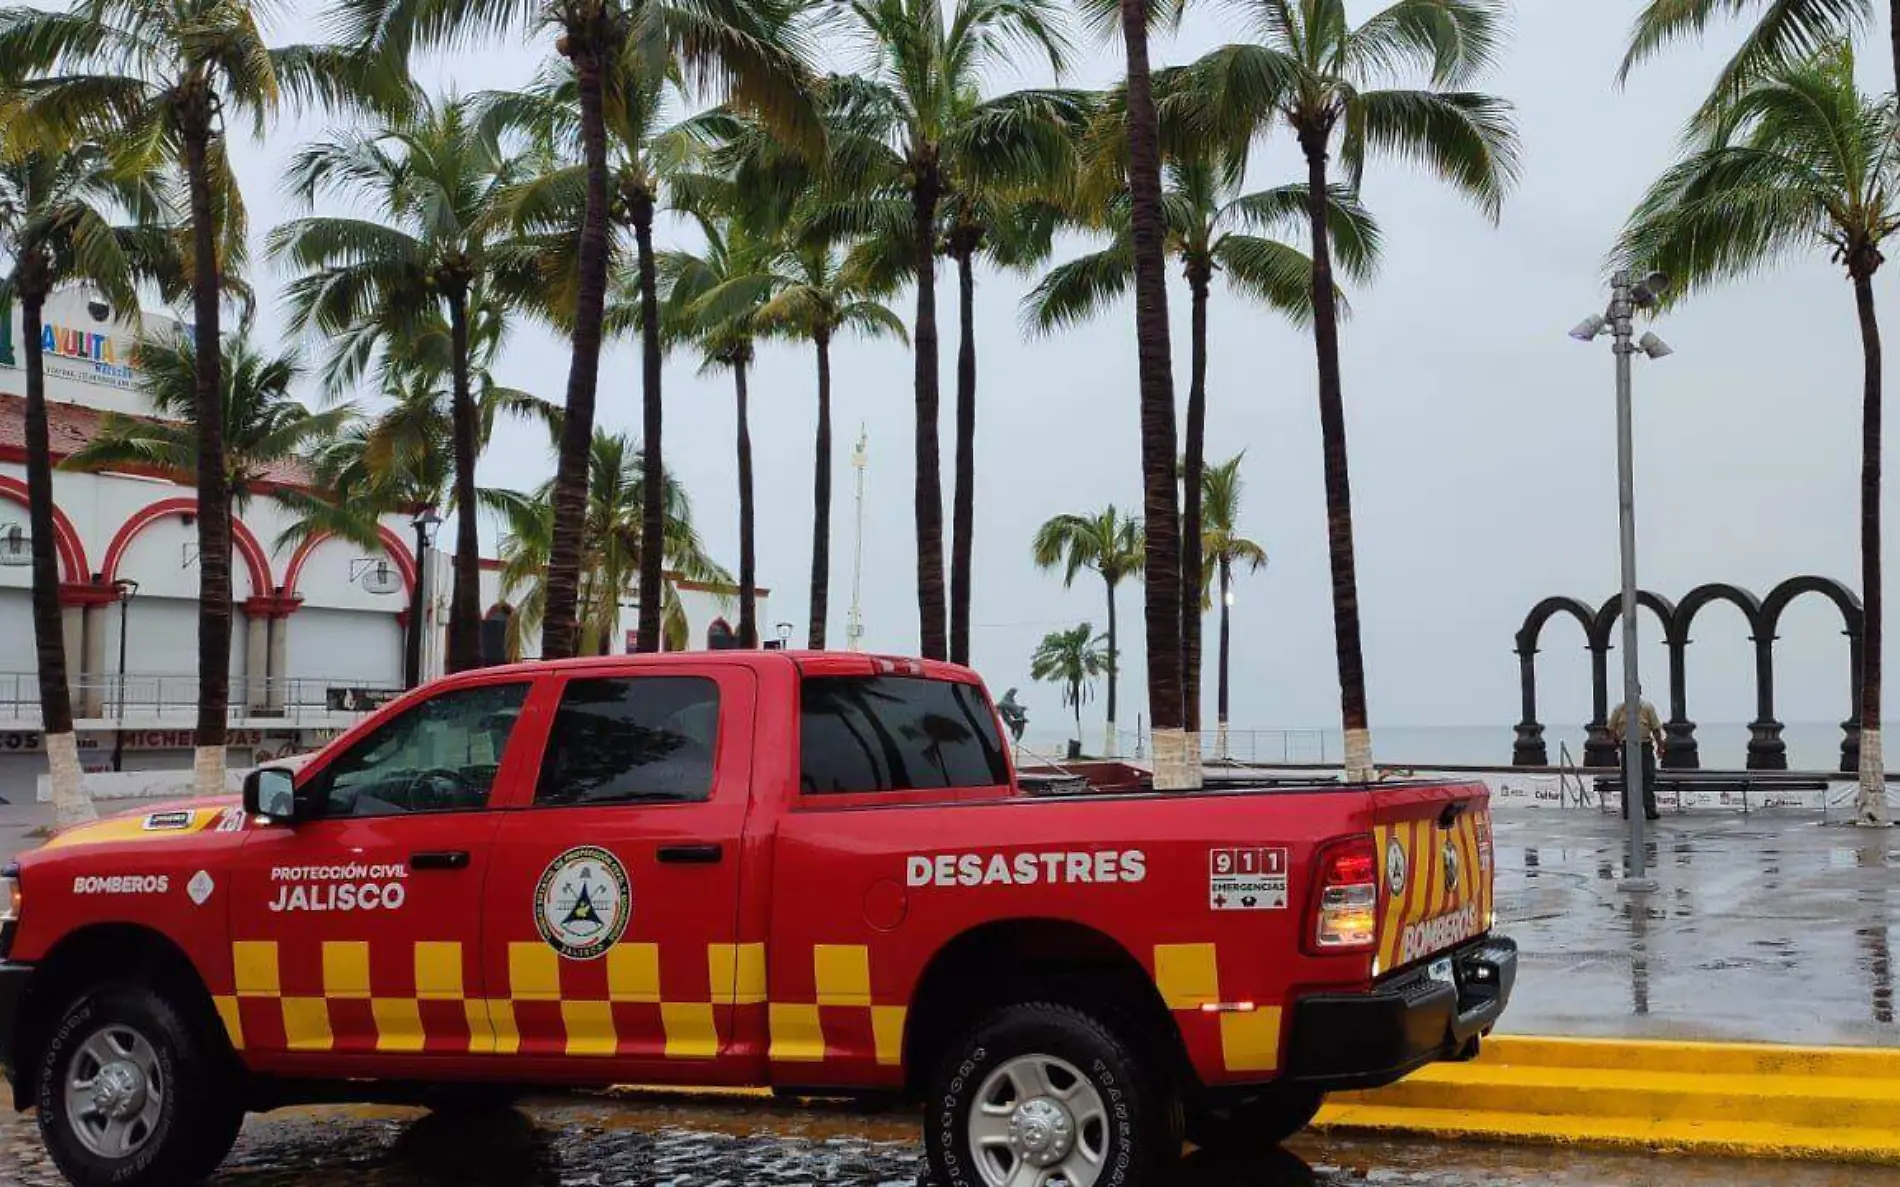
[(896, 733)]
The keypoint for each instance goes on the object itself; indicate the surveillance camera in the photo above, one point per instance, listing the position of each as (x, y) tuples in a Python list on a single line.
[(1589, 328), (99, 309), (1655, 347)]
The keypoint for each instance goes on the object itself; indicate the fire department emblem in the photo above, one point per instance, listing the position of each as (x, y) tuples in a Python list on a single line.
[(583, 902), (1395, 866), (1452, 865)]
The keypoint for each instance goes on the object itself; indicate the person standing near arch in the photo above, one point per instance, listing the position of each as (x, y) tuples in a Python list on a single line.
[(1652, 734)]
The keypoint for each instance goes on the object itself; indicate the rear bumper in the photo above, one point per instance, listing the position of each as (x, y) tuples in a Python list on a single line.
[(13, 982), (1343, 1041)]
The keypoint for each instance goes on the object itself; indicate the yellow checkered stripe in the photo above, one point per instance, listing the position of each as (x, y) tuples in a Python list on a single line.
[(736, 972), (1188, 976)]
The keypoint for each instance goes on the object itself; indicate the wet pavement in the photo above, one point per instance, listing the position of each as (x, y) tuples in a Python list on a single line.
[(588, 1142), (1772, 927)]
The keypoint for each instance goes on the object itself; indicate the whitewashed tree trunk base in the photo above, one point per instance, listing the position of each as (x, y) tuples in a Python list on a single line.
[(207, 770), (1220, 742), (1110, 742), (71, 804), (1359, 757), (1870, 802), (1177, 761)]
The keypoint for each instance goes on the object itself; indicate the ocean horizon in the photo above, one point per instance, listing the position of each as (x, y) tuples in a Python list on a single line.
[(1723, 745)]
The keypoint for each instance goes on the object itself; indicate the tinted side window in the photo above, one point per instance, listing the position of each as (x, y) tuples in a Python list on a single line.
[(631, 739), (896, 733), (439, 756)]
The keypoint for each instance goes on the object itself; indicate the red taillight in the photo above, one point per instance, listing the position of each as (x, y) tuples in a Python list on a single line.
[(1346, 903)]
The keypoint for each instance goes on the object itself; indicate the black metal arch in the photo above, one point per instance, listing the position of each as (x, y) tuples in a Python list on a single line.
[(1766, 750), (1530, 750)]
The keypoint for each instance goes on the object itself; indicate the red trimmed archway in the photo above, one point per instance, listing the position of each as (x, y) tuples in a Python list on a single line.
[(243, 542), (72, 553), (392, 544)]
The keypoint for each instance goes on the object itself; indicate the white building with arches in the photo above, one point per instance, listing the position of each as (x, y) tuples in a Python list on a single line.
[(319, 629)]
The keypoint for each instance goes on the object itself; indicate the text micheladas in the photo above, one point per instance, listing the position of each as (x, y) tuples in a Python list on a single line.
[(1026, 869)]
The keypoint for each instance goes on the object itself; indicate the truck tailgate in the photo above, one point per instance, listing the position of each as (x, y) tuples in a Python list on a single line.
[(1435, 879)]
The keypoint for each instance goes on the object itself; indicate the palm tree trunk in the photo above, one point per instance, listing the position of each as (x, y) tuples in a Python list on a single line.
[(1174, 768), (1194, 464), (465, 610), (930, 593), (963, 506), (821, 500), (559, 629), (748, 565), (1226, 582), (1894, 30), (70, 802), (1109, 747), (1332, 424), (214, 499), (1871, 801), (653, 497)]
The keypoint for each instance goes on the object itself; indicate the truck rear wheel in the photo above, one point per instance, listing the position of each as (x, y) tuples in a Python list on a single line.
[(130, 1095), (1045, 1095)]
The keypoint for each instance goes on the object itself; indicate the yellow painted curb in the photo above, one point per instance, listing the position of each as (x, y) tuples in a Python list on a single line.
[(1753, 1100)]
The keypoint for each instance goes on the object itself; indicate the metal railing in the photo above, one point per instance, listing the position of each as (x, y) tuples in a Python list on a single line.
[(1239, 747), (143, 697)]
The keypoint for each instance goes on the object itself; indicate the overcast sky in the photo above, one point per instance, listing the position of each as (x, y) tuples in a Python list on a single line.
[(1482, 439)]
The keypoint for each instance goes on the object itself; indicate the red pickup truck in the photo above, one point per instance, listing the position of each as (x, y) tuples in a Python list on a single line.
[(816, 873)]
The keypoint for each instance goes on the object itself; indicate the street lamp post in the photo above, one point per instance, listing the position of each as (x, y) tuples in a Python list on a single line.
[(1627, 295), (128, 589), (854, 625), (425, 522)]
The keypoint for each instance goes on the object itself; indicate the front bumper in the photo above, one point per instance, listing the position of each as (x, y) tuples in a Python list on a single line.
[(1345, 1041), (13, 982)]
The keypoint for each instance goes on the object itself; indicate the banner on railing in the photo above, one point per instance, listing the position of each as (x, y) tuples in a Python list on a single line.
[(358, 700)]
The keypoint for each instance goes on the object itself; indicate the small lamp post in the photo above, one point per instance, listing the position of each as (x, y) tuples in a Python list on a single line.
[(128, 589), (425, 523)]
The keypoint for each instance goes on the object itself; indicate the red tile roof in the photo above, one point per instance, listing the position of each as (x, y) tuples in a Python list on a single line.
[(73, 425)]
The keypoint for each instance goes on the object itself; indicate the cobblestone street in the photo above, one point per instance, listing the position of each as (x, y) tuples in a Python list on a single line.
[(591, 1142)]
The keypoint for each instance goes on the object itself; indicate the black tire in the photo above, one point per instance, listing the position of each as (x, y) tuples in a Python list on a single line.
[(196, 1121), (1257, 1125), (473, 1100), (1140, 1141)]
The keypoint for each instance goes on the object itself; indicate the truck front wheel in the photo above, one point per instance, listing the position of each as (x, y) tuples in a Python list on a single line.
[(1045, 1095), (130, 1096)]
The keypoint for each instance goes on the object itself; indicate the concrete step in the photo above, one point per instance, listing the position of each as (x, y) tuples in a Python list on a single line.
[(1749, 1099)]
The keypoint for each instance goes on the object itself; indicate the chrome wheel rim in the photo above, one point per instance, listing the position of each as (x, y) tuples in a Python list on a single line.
[(115, 1092), (1038, 1122)]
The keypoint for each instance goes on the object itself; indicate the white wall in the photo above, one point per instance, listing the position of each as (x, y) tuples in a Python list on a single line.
[(344, 647), (16, 632)]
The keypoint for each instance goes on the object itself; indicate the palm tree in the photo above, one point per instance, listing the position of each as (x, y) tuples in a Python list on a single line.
[(714, 300), (616, 497), (160, 81), (1073, 659), (645, 154), (1322, 76), (814, 296), (1223, 544), (1113, 546), (749, 49), (263, 425), (1785, 31), (57, 212), (1801, 161), (1210, 229), (416, 255), (1176, 765), (920, 137)]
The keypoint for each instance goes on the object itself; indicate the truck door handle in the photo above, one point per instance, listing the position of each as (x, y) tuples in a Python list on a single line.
[(440, 859), (692, 855)]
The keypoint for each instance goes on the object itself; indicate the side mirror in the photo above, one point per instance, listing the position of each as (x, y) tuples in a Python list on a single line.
[(271, 792)]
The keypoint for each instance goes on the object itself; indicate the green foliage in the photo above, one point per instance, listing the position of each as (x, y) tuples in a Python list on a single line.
[(1221, 542), (1074, 659), (1784, 31), (1108, 543), (1800, 160), (610, 560)]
